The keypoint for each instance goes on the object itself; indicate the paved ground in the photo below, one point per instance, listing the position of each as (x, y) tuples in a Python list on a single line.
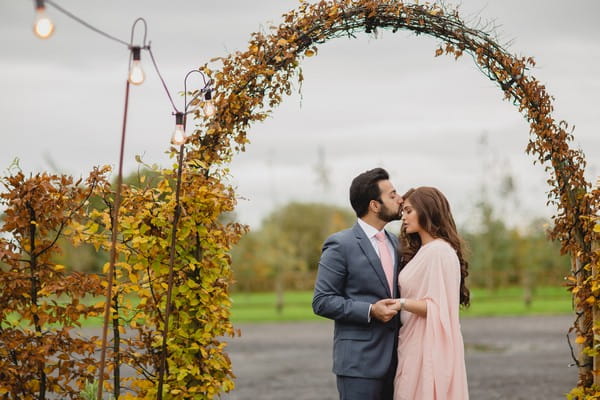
[(516, 358)]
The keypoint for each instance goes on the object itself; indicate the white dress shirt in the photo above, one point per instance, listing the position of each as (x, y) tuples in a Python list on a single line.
[(371, 232)]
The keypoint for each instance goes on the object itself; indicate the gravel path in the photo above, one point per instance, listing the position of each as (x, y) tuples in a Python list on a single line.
[(507, 358)]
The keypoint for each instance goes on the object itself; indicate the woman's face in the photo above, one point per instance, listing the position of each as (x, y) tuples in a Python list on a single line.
[(410, 218)]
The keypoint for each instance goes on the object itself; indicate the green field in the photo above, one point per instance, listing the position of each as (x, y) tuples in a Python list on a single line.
[(260, 307)]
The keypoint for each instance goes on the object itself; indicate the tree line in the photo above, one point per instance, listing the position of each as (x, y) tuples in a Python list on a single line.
[(284, 252)]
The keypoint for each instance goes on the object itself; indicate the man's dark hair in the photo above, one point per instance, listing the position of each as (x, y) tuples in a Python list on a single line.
[(364, 188)]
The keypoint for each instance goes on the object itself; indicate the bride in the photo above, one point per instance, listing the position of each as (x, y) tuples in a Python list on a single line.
[(431, 363)]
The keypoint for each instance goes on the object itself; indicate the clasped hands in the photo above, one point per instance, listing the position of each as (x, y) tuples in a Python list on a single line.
[(385, 309)]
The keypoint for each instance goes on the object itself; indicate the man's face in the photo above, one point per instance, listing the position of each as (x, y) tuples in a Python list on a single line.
[(391, 202)]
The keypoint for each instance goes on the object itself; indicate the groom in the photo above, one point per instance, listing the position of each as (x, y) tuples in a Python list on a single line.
[(356, 283)]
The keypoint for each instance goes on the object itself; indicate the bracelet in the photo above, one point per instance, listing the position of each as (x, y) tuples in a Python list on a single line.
[(402, 302)]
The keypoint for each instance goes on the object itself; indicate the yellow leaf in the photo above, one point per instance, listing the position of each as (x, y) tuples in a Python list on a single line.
[(191, 284), (309, 53), (590, 300), (93, 228), (597, 228), (133, 278), (59, 267), (282, 42), (580, 340)]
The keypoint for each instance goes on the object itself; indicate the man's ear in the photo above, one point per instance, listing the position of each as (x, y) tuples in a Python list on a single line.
[(374, 206)]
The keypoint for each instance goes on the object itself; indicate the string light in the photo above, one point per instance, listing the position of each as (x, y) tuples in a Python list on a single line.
[(209, 106), (42, 26), (136, 73), (178, 137)]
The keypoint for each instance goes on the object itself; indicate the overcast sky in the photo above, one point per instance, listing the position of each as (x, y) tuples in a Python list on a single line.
[(366, 102)]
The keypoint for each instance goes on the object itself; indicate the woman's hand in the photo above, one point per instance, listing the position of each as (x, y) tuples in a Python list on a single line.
[(398, 304), (418, 307)]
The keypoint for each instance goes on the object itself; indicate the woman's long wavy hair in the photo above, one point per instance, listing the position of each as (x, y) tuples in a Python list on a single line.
[(433, 211)]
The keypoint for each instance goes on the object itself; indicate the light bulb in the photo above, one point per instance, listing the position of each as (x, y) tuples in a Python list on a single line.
[(209, 107), (136, 73), (178, 136), (42, 27)]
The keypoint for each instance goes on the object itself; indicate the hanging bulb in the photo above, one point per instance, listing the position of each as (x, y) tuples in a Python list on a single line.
[(136, 73), (178, 136), (42, 27), (209, 107)]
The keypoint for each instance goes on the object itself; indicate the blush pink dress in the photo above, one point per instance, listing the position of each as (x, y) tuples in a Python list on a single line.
[(431, 361)]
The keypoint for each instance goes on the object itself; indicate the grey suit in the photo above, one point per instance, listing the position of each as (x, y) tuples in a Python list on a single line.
[(349, 280)]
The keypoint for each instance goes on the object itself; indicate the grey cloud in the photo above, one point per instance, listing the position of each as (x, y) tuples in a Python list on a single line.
[(366, 102)]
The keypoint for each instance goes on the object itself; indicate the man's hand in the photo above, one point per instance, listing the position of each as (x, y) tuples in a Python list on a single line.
[(384, 310)]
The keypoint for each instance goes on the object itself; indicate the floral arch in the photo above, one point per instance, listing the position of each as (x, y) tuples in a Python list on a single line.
[(253, 82)]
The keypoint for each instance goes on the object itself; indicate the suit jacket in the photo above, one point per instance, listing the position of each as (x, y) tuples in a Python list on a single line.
[(349, 280)]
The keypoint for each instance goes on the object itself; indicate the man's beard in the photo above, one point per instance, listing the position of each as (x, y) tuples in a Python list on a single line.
[(385, 214)]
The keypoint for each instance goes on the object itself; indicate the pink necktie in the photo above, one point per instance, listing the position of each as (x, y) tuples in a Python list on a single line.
[(386, 259)]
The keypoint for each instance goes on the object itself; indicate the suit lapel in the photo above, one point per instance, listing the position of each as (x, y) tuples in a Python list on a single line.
[(365, 244)]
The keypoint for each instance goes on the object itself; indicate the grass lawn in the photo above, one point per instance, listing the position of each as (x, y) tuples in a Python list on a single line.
[(260, 307)]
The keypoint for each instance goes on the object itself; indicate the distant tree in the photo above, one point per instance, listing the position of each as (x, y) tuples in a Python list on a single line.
[(504, 255), (322, 171), (490, 250), (285, 251), (519, 256)]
